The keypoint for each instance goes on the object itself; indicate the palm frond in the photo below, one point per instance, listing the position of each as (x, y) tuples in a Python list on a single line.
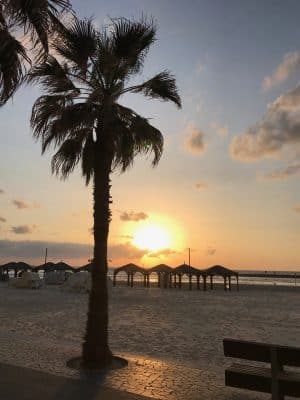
[(162, 86), (77, 44), (66, 158), (35, 17), (56, 118), (134, 135), (131, 41), (52, 76), (12, 64), (45, 110)]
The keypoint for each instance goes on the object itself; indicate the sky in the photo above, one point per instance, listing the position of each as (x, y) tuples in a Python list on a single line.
[(227, 186)]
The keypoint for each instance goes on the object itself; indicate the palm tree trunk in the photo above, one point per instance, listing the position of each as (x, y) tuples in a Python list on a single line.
[(95, 349)]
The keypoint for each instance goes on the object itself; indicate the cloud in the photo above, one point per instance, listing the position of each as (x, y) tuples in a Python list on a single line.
[(133, 216), (201, 186), (2, 191), (126, 236), (35, 249), (126, 250), (211, 251), (297, 209), (20, 204), (22, 229), (162, 253), (194, 139), (289, 65), (280, 127), (2, 219), (219, 129), (284, 173)]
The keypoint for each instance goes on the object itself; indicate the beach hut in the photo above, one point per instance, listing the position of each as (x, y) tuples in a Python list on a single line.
[(225, 273), (164, 275), (131, 270), (190, 272)]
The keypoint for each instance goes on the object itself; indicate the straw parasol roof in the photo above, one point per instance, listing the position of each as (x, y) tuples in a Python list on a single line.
[(187, 269), (87, 267), (220, 270), (16, 266), (50, 266), (161, 268), (62, 266), (130, 268)]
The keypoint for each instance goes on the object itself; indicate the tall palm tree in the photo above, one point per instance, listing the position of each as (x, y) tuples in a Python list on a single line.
[(80, 114), (38, 19)]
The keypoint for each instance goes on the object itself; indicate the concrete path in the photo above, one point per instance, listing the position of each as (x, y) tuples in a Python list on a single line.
[(18, 383), (147, 378)]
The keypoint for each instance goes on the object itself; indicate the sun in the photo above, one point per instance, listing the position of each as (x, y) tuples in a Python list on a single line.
[(152, 237)]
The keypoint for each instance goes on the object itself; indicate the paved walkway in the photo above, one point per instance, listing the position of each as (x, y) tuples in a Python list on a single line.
[(144, 377), (28, 384)]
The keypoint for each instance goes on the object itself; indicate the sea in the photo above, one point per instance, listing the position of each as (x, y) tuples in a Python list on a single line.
[(269, 277)]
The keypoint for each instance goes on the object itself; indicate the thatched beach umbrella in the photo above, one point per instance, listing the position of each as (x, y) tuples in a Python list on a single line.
[(16, 267), (87, 268), (188, 270), (49, 266), (164, 273), (62, 266), (131, 269), (225, 273)]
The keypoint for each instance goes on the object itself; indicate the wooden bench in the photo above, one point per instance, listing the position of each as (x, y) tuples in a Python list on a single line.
[(264, 379)]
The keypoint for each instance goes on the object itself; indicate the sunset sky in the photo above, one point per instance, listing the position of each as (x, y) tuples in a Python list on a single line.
[(227, 185)]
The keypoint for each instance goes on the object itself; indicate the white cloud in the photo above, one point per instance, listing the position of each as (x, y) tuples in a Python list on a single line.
[(211, 251), (201, 185), (22, 229), (133, 216), (284, 173), (280, 127), (289, 65), (162, 253), (21, 205), (34, 249), (126, 250), (219, 129), (194, 139)]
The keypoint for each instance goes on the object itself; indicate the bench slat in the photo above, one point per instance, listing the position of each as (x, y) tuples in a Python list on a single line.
[(259, 379), (247, 377), (255, 351)]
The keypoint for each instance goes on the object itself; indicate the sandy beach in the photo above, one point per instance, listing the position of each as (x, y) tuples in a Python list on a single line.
[(176, 326)]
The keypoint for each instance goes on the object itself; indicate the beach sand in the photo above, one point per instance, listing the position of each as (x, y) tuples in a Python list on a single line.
[(174, 326)]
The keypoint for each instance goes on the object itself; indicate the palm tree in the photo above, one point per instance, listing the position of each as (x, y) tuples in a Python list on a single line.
[(38, 18), (80, 114)]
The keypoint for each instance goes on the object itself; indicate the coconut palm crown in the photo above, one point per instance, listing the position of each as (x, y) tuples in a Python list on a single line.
[(80, 115), (36, 19)]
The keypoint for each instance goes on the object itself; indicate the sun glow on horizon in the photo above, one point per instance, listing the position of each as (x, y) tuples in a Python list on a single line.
[(152, 237)]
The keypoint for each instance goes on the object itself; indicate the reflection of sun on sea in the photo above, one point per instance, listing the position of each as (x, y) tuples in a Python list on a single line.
[(152, 237)]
